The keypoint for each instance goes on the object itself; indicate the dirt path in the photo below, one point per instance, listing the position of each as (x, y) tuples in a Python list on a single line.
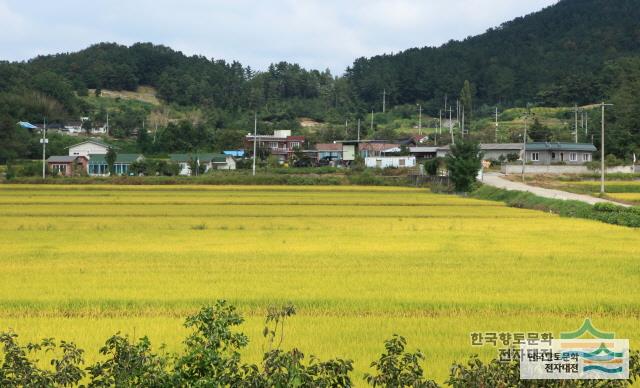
[(497, 180)]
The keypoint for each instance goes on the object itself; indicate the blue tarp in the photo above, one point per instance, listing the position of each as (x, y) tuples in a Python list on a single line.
[(234, 153), (25, 124)]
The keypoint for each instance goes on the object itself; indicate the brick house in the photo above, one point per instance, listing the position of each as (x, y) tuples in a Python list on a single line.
[(281, 143), (67, 165)]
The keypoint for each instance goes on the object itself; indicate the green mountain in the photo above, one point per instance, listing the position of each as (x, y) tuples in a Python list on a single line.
[(555, 56), (577, 51)]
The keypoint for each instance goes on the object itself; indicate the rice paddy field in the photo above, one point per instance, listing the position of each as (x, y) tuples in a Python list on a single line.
[(622, 191), (360, 264)]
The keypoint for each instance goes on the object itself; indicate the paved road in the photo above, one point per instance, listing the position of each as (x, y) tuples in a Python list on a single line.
[(497, 180)]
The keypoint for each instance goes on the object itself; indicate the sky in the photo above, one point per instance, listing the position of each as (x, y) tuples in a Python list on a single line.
[(317, 34)]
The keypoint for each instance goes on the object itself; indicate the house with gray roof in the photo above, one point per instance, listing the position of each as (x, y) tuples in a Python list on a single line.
[(548, 153)]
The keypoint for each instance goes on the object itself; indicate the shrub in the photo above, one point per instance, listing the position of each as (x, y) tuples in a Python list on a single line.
[(211, 357), (397, 368)]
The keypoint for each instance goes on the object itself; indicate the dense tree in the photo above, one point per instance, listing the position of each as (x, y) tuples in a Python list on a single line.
[(555, 55), (464, 162)]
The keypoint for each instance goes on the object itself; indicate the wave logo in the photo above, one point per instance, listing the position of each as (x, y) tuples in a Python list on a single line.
[(587, 353)]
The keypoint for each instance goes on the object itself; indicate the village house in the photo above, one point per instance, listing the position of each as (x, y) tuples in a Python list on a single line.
[(370, 149), (67, 165), (332, 152), (281, 144), (390, 161), (491, 151), (209, 160), (422, 152), (559, 153), (89, 147), (98, 165)]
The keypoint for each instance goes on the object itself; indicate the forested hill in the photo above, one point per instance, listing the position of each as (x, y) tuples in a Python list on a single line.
[(576, 51), (555, 56), (181, 79)]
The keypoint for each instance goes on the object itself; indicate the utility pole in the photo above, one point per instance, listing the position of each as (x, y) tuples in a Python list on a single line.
[(445, 104), (575, 107), (384, 100), (453, 141), (371, 122), (496, 140), (524, 141), (107, 122), (458, 112), (586, 123), (435, 135), (524, 145), (255, 140), (602, 149), (419, 119), (358, 131), (346, 128), (44, 142), (440, 122), (462, 123)]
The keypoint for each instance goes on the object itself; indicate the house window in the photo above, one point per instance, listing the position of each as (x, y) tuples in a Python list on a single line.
[(294, 144), (553, 155), (272, 144), (402, 162), (59, 169), (586, 157), (121, 169), (535, 156), (573, 156)]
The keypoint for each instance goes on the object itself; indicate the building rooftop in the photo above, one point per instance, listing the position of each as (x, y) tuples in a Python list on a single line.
[(120, 158), (96, 142), (204, 157), (328, 147), (423, 149), (500, 146), (558, 146), (63, 159)]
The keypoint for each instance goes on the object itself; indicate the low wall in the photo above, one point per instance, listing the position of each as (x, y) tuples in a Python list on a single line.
[(560, 169)]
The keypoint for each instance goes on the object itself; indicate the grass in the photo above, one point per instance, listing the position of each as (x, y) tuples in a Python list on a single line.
[(360, 263), (605, 212)]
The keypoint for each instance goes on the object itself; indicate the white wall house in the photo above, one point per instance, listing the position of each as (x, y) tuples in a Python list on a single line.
[(390, 161), (87, 148), (209, 161)]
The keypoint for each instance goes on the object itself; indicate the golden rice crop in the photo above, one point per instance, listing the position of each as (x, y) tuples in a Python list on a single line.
[(82, 262), (632, 198)]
